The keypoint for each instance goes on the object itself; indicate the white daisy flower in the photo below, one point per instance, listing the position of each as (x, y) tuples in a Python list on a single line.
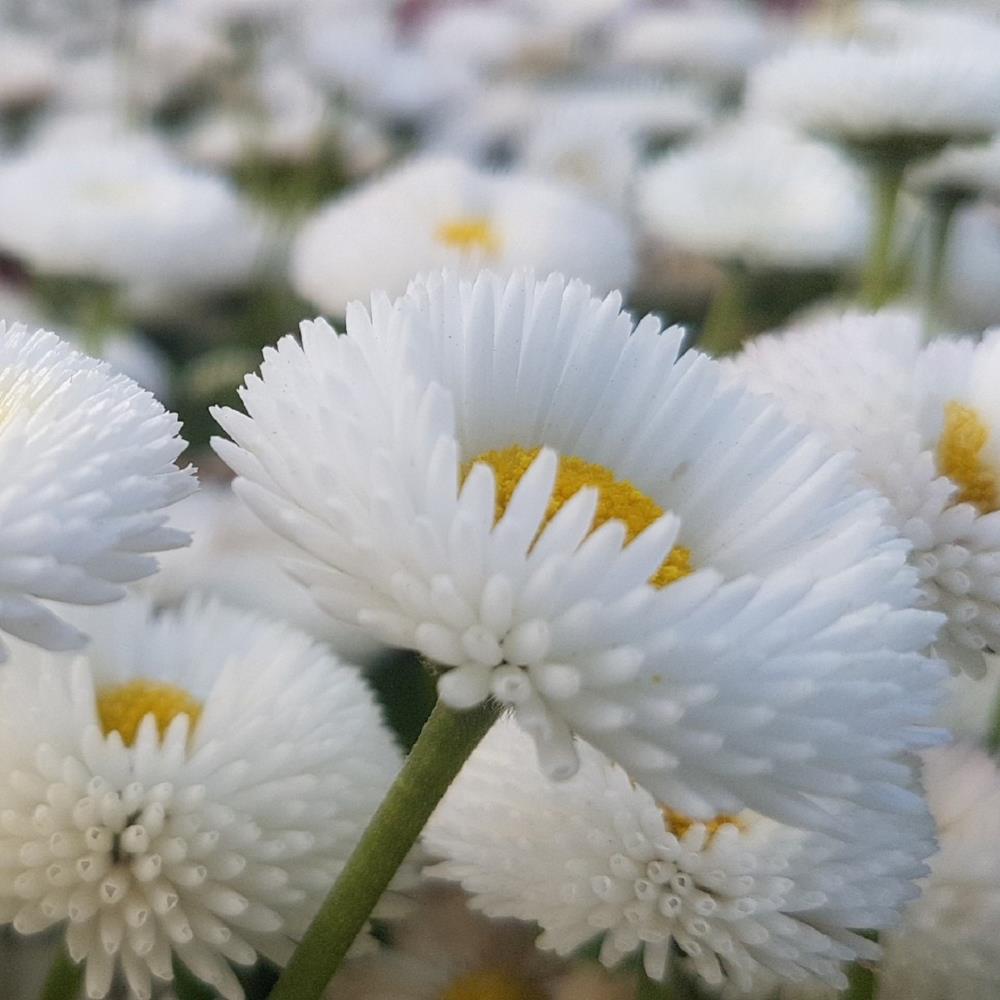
[(915, 97), (925, 426), (434, 212), (511, 478), (88, 466), (125, 212), (190, 787), (738, 895), (947, 946), (760, 196)]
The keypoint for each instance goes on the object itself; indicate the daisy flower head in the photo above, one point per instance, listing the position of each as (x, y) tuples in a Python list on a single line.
[(741, 896), (925, 427), (961, 173), (760, 196), (511, 477), (190, 787), (124, 211), (946, 945), (89, 466), (443, 212), (909, 99)]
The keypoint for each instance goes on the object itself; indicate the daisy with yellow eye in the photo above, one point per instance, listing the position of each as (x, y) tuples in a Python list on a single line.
[(189, 788), (444, 212), (567, 517), (924, 424), (742, 899)]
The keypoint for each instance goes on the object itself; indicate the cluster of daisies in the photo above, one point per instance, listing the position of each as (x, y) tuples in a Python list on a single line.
[(731, 588)]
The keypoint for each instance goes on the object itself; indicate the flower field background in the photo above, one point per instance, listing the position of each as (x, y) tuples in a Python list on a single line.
[(499, 500)]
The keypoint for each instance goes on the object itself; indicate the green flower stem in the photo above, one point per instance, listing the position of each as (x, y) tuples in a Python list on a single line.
[(942, 216), (649, 989), (438, 755), (862, 983), (876, 284), (64, 978), (726, 321)]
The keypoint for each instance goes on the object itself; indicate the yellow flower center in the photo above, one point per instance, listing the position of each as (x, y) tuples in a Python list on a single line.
[(469, 234), (960, 457), (122, 708), (678, 823), (491, 984), (618, 500)]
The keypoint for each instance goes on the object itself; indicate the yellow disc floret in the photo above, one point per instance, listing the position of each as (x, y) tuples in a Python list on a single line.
[(960, 457), (474, 233), (491, 984), (678, 823), (618, 500), (122, 708)]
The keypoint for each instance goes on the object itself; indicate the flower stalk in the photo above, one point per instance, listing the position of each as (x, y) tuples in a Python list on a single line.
[(877, 284), (726, 322), (942, 215), (64, 979), (445, 743)]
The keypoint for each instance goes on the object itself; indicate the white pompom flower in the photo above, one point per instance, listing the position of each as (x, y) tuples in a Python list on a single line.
[(947, 946), (744, 898), (189, 788), (545, 500), (88, 461), (925, 426)]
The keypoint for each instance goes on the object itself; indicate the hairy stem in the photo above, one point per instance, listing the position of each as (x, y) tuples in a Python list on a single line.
[(726, 320), (438, 755), (876, 284)]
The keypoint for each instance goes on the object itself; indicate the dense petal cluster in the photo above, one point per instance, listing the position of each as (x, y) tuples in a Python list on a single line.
[(746, 639), (925, 426), (191, 787), (88, 463), (741, 896)]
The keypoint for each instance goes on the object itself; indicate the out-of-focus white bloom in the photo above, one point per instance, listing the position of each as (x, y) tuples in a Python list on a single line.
[(925, 426), (947, 946), (925, 95), (125, 212), (758, 195), (506, 116), (435, 212), (571, 148), (88, 466), (234, 557), (28, 70), (172, 46), (510, 477), (925, 22), (961, 172), (360, 54), (441, 951), (715, 42), (738, 895), (191, 786), (487, 37)]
